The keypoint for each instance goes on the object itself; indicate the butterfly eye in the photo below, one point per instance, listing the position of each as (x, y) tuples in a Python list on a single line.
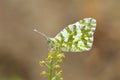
[(50, 40), (51, 43)]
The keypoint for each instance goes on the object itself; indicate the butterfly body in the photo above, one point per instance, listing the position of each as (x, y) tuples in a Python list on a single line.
[(77, 37)]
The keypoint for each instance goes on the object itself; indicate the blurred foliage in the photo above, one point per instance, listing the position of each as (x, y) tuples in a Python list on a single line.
[(52, 65), (13, 77)]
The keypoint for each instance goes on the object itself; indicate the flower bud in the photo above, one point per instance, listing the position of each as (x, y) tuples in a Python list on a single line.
[(49, 57), (60, 56), (42, 63), (59, 73), (43, 73), (56, 67), (54, 78), (52, 52)]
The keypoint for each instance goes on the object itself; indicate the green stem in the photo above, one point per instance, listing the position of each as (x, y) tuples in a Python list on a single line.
[(51, 69)]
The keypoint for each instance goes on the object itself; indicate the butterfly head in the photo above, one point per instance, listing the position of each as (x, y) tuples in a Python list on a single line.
[(50, 41)]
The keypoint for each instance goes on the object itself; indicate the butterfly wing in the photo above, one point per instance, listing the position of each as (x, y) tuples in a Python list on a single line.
[(77, 37)]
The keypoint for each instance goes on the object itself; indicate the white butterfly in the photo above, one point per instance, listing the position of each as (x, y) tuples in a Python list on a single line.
[(77, 37)]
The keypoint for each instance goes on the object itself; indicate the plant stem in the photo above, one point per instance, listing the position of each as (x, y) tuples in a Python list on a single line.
[(51, 69)]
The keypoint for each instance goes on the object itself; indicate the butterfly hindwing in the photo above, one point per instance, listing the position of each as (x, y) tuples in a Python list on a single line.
[(76, 37)]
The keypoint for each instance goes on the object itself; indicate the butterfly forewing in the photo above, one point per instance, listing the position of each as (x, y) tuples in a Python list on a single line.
[(76, 37)]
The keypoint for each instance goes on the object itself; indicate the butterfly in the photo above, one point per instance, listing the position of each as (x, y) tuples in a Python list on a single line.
[(77, 37)]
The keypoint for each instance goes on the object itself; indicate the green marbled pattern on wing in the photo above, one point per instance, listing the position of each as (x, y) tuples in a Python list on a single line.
[(76, 37)]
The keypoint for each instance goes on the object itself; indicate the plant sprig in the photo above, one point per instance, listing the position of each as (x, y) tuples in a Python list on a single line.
[(53, 64)]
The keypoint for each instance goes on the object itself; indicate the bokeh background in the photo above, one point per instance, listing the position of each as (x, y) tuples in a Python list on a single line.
[(21, 49)]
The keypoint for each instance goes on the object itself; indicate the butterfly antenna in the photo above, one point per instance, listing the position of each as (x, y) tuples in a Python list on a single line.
[(40, 33)]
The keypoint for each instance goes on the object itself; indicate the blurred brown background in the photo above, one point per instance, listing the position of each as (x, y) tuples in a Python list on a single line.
[(21, 49)]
